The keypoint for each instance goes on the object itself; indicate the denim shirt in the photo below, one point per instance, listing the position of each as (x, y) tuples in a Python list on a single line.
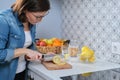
[(11, 37)]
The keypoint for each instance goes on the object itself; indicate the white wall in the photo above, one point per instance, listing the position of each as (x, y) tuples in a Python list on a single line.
[(94, 23), (4, 4), (51, 24)]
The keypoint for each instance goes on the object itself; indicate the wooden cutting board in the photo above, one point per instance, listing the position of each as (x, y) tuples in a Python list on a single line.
[(51, 66)]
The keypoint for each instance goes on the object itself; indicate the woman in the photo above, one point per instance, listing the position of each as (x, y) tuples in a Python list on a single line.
[(17, 34)]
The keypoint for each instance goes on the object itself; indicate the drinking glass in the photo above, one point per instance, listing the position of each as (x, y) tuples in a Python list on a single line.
[(65, 51), (73, 48)]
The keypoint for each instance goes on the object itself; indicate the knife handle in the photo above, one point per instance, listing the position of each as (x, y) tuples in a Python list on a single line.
[(42, 56)]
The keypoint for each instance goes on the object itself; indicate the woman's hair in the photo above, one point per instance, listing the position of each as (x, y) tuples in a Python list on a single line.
[(20, 6)]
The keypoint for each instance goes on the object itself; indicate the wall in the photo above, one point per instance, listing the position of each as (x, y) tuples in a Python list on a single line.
[(4, 4), (51, 24), (94, 23)]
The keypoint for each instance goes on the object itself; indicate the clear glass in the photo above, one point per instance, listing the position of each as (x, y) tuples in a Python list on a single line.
[(65, 52), (73, 48)]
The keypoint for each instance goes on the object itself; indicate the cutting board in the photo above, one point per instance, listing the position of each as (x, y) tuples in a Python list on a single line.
[(51, 66)]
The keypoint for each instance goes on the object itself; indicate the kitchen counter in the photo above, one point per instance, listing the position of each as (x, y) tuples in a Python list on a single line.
[(39, 72)]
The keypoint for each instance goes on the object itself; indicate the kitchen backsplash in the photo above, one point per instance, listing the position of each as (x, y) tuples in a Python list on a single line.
[(95, 23)]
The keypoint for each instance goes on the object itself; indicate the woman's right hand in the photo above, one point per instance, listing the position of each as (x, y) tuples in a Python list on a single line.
[(32, 55)]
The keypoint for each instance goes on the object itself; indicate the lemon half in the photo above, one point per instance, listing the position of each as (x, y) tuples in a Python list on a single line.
[(58, 60)]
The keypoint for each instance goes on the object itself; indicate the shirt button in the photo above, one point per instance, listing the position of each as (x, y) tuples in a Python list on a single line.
[(15, 36)]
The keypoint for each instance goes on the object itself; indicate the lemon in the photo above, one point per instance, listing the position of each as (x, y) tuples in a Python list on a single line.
[(86, 74), (84, 48), (58, 60), (92, 59)]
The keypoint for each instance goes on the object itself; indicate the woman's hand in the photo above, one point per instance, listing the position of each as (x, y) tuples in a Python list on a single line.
[(33, 55), (30, 55)]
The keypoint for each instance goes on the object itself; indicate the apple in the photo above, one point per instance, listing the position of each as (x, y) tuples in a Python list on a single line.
[(43, 43), (38, 43)]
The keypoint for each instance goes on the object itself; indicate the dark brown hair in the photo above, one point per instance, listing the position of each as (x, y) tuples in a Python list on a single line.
[(20, 6)]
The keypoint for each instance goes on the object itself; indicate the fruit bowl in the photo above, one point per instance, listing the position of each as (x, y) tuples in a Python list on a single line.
[(51, 45), (47, 49)]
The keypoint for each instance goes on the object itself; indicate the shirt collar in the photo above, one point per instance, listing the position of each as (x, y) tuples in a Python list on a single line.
[(17, 20)]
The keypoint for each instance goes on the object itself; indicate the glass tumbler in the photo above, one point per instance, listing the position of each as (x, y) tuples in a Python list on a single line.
[(73, 48)]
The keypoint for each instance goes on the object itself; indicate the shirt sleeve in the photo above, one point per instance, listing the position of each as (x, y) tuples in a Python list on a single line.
[(6, 54)]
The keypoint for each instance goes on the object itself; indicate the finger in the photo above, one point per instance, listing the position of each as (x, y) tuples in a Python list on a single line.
[(40, 56), (27, 57), (37, 57)]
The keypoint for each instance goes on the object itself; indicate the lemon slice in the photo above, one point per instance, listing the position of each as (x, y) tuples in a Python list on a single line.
[(58, 60)]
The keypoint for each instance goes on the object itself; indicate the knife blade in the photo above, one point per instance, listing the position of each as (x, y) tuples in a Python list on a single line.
[(49, 57)]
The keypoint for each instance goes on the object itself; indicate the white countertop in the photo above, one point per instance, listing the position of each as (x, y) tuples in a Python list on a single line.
[(77, 68)]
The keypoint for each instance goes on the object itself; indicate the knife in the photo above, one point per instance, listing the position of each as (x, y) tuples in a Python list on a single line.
[(47, 57)]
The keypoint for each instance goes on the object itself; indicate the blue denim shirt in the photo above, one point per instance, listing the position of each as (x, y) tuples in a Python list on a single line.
[(11, 37)]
